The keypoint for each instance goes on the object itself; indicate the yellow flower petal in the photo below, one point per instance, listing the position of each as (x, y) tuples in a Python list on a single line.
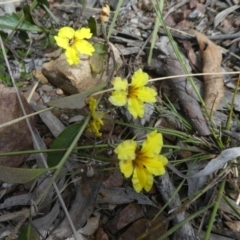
[(141, 179), (94, 126), (135, 107), (72, 56), (62, 42), (64, 36), (66, 32), (83, 33), (149, 183), (126, 150), (152, 145), (162, 159), (154, 165), (84, 47), (99, 115), (139, 78), (92, 104), (146, 94), (118, 98), (96, 122), (120, 84), (126, 167)]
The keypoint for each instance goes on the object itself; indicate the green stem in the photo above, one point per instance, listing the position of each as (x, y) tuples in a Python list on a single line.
[(114, 18), (179, 225), (63, 160), (214, 212), (51, 150)]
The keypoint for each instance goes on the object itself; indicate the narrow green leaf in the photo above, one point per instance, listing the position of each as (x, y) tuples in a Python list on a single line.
[(43, 2), (76, 100), (93, 25), (28, 233), (64, 140), (20, 175)]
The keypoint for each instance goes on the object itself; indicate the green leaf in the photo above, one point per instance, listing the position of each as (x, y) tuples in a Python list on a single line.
[(64, 140), (97, 60), (43, 2), (20, 175), (11, 21), (93, 25), (27, 14), (23, 36), (75, 100), (28, 233), (51, 39)]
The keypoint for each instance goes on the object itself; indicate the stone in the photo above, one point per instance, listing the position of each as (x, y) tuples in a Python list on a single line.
[(15, 137), (77, 78)]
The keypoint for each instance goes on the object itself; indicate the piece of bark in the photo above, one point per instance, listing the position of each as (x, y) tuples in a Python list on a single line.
[(181, 86), (167, 189), (185, 94), (82, 207), (213, 84), (15, 137)]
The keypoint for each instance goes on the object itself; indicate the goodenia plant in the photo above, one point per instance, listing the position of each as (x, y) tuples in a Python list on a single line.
[(141, 164)]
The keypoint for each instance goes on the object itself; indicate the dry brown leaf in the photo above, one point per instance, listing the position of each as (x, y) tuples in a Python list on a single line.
[(234, 225), (213, 84), (128, 215)]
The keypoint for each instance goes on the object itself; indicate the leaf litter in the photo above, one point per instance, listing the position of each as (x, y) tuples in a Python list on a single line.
[(80, 180)]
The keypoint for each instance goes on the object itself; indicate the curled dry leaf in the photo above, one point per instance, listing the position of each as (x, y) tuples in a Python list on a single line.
[(213, 84)]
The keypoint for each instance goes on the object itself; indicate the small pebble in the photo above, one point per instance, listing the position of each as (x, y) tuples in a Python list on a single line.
[(64, 117), (59, 91), (47, 88)]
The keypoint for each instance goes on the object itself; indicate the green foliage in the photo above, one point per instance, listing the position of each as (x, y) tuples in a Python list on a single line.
[(94, 26), (20, 175), (23, 36), (76, 101), (5, 78), (28, 233), (13, 21), (97, 61), (64, 140), (43, 2)]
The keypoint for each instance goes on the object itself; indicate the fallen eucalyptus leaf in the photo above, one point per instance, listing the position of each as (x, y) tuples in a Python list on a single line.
[(218, 162), (21, 175), (223, 14)]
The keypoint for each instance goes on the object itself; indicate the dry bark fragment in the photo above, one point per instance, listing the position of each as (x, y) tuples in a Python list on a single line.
[(213, 84), (185, 95), (182, 88)]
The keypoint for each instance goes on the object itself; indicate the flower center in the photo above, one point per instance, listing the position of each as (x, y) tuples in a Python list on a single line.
[(71, 41), (131, 92)]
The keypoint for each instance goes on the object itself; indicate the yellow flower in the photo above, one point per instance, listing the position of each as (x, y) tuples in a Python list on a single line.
[(142, 164), (135, 95), (96, 122), (74, 43)]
